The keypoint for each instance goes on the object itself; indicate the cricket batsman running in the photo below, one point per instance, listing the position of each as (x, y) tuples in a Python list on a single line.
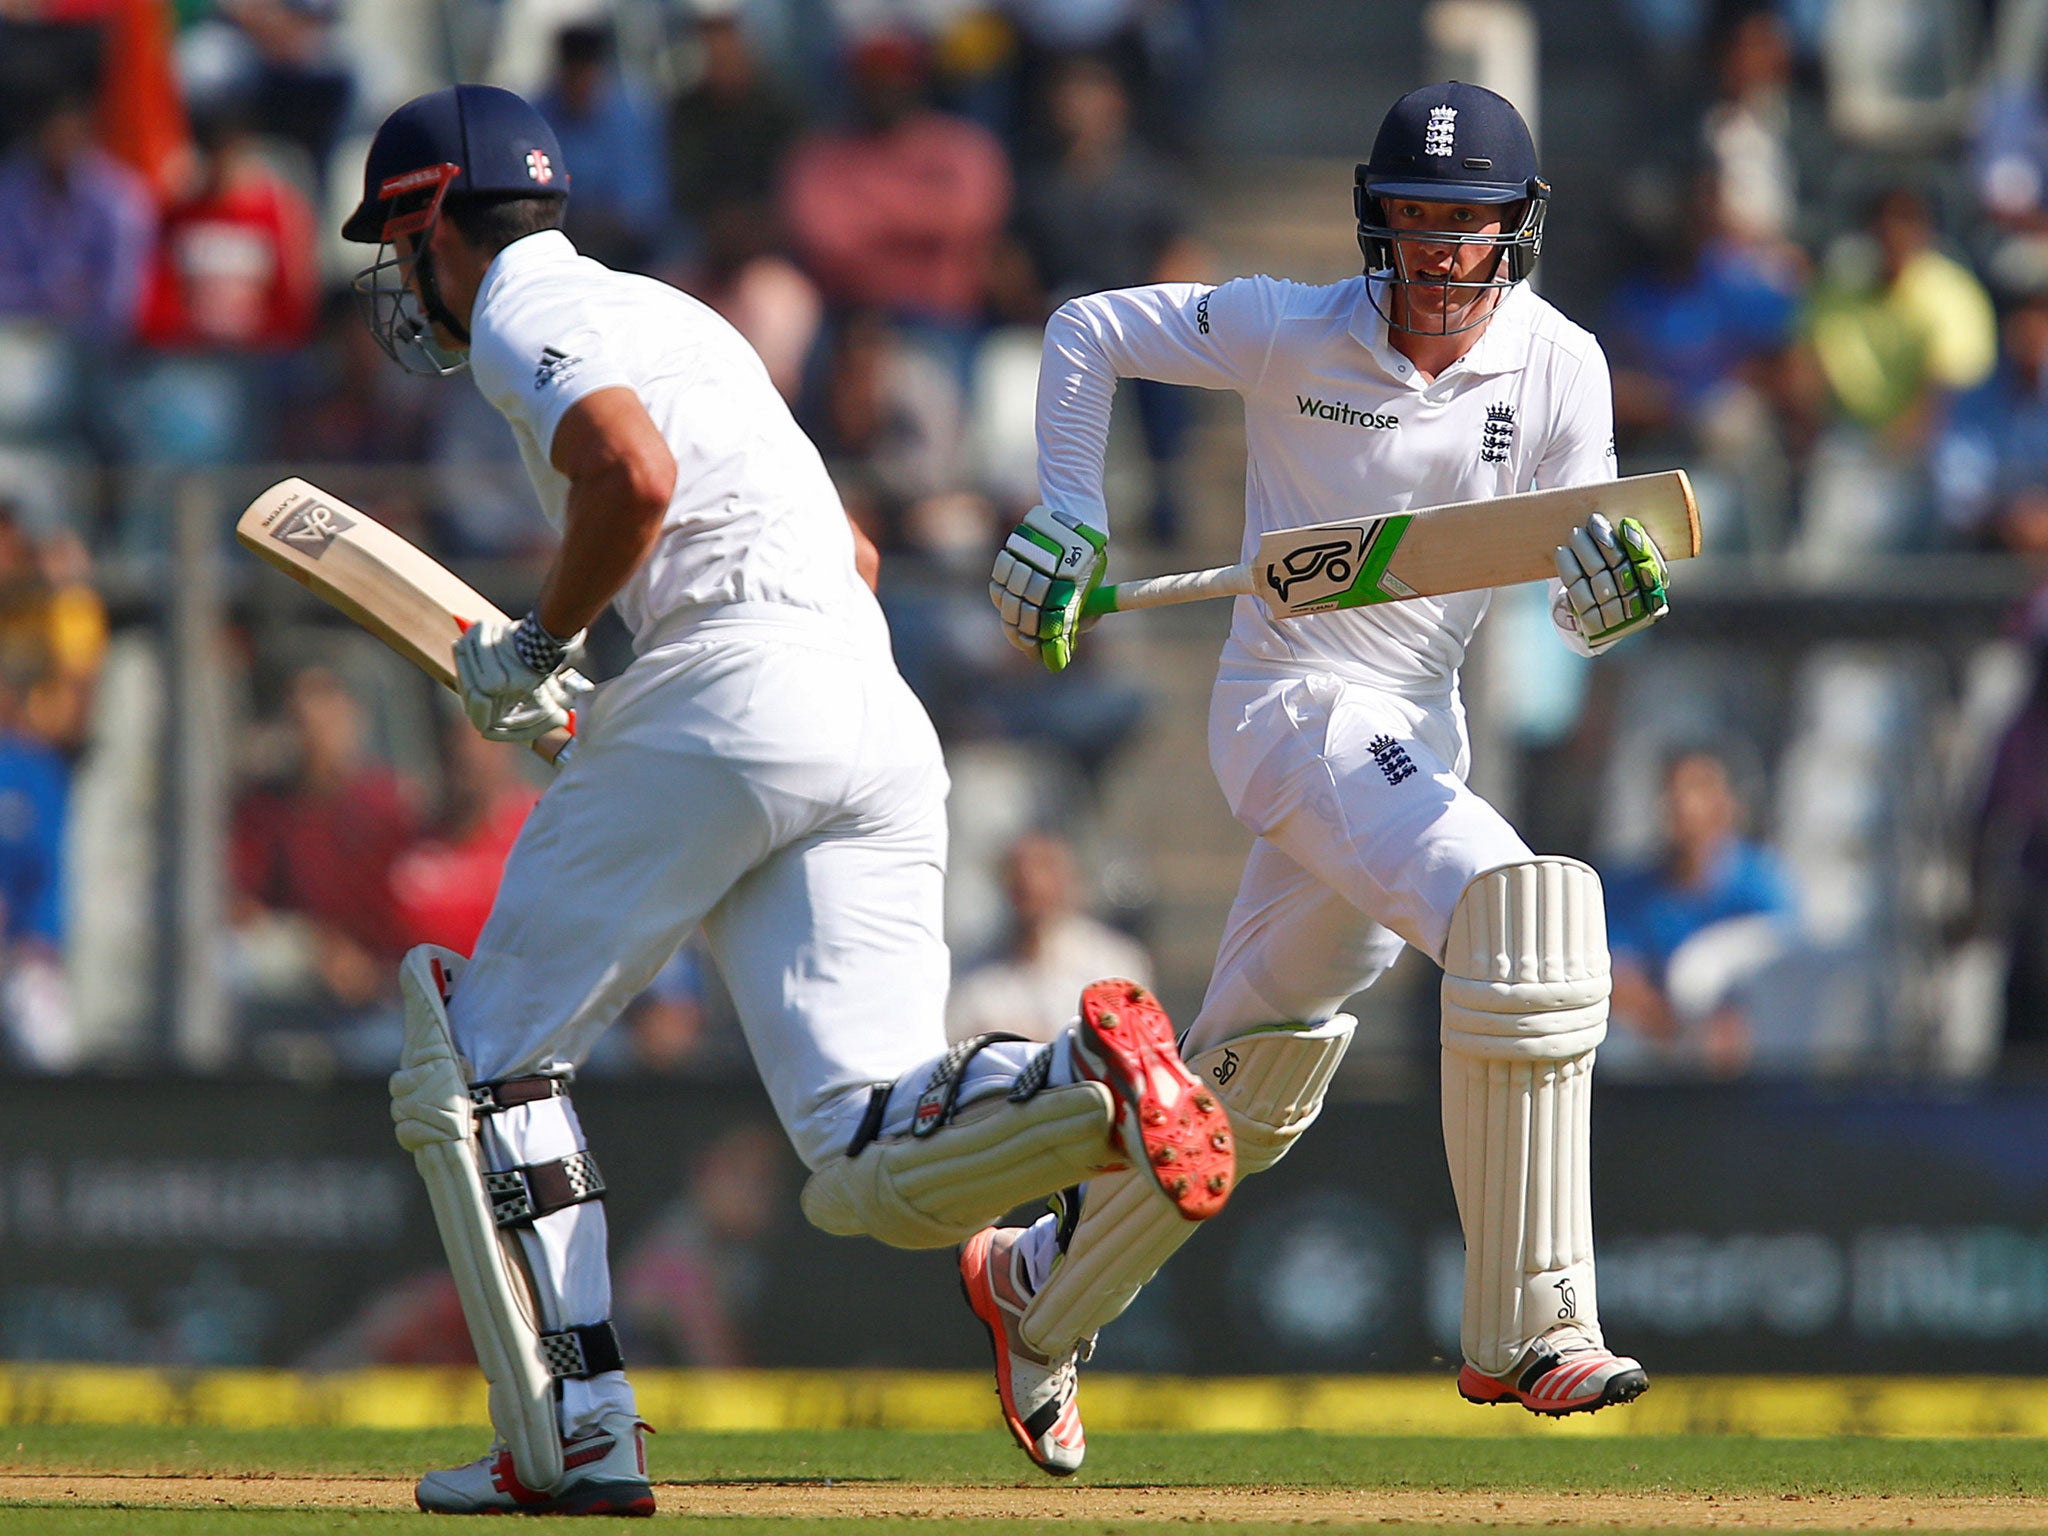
[(1437, 376), (759, 770)]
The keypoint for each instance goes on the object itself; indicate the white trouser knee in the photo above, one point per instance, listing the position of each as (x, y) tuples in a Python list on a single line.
[(516, 1200), (933, 1167), (1524, 1005), (1272, 1082)]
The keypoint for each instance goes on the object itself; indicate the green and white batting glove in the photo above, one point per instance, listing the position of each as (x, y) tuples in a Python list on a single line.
[(1613, 582), (1042, 575)]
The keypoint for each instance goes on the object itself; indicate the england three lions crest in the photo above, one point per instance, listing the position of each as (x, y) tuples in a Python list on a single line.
[(1497, 437)]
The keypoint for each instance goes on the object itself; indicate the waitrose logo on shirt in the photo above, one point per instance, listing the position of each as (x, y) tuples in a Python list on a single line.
[(1345, 415)]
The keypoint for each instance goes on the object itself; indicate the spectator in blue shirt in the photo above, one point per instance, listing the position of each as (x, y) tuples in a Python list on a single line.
[(1991, 463), (35, 788), (1697, 335), (1698, 322), (613, 140), (1709, 873), (76, 229)]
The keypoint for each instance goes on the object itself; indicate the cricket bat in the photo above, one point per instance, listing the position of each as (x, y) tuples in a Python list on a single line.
[(396, 591), (1463, 547)]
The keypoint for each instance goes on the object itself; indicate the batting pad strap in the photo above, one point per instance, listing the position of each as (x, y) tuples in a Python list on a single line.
[(511, 1092), (521, 1196), (942, 1090), (871, 1118), (1526, 964), (1272, 1081), (577, 1354), (935, 1190)]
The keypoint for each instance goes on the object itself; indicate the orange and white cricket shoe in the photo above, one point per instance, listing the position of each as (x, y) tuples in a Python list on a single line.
[(1167, 1120), (1040, 1397), (605, 1474), (1565, 1371)]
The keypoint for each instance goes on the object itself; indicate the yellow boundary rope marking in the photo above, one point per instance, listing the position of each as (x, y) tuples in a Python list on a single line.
[(422, 1397)]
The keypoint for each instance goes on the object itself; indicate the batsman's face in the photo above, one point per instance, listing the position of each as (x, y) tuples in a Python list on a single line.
[(1446, 242)]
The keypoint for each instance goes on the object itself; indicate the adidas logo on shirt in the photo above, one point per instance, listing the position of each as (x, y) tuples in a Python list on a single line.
[(555, 365)]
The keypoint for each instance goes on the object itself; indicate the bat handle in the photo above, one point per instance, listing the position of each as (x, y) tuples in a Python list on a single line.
[(556, 747), (1161, 591)]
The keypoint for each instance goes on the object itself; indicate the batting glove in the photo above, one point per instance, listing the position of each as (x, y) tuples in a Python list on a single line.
[(1613, 582), (515, 680), (1044, 572)]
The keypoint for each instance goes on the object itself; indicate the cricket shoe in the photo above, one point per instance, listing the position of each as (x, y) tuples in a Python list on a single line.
[(1039, 1396), (605, 1473), (1167, 1120), (1565, 1371)]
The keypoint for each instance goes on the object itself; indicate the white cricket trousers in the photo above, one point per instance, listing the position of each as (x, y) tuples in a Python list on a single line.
[(784, 790), (778, 786), (1367, 836)]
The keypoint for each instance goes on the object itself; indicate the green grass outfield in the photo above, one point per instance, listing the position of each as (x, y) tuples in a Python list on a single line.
[(1158, 1482), (275, 1453), (1706, 1465)]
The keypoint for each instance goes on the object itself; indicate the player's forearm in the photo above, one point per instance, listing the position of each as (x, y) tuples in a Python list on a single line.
[(613, 520)]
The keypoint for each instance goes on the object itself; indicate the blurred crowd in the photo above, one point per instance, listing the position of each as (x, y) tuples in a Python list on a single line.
[(1825, 291), (886, 199), (1839, 310), (1834, 311)]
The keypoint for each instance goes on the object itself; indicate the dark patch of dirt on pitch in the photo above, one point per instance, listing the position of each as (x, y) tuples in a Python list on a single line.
[(1038, 1501)]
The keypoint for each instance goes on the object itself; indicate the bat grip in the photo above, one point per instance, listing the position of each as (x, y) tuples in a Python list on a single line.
[(1162, 591), (555, 747)]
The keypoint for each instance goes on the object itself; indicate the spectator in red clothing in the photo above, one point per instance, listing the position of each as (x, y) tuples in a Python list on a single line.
[(235, 265), (445, 883), (317, 933), (901, 210)]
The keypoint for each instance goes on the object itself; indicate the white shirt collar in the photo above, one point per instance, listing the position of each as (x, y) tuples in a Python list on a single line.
[(550, 247), (1505, 346), (1502, 348)]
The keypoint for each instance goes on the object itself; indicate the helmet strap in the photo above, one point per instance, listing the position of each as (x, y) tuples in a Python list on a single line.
[(430, 288)]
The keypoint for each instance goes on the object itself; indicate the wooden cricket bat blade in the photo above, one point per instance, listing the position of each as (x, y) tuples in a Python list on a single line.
[(1467, 546), (394, 589)]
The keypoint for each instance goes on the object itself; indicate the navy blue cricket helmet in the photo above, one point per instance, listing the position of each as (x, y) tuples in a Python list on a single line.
[(467, 142), (1453, 143)]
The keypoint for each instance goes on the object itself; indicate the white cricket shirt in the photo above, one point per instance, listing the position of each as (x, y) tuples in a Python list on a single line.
[(1337, 425), (754, 520)]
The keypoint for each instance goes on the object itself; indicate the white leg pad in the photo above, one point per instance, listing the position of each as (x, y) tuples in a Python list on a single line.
[(994, 1154), (436, 1122), (1272, 1082), (1524, 1005)]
